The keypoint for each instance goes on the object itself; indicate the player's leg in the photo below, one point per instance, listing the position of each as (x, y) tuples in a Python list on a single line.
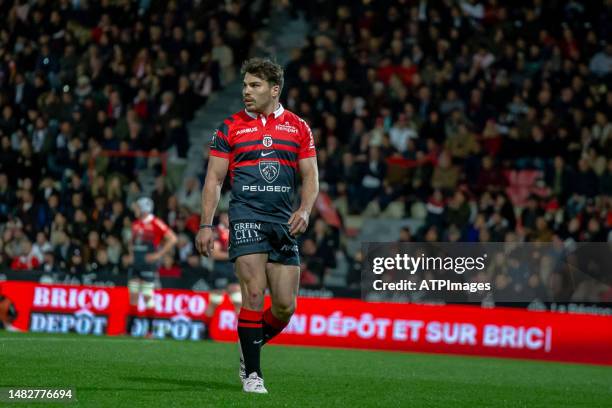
[(251, 272), (283, 274), (283, 282), (249, 247), (134, 293), (147, 288)]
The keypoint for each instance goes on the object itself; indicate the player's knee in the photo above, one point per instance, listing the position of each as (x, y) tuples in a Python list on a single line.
[(134, 287), (284, 310), (134, 291), (253, 300)]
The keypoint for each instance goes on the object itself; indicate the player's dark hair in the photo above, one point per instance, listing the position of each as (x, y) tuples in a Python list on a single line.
[(265, 69)]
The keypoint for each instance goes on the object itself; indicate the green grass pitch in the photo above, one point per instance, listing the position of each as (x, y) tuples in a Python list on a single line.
[(123, 372)]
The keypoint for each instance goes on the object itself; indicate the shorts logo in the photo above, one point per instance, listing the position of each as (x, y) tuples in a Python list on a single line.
[(267, 141), (269, 170), (247, 232), (289, 248)]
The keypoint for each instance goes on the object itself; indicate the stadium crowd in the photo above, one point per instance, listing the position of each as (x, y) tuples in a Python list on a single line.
[(79, 78), (485, 122)]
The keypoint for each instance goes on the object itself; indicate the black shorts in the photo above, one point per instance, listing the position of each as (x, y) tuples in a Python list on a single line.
[(146, 274), (253, 237), (141, 269)]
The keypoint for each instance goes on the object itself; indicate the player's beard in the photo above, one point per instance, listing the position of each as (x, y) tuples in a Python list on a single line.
[(259, 104)]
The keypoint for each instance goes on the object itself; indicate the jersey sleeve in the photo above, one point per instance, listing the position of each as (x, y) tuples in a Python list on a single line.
[(307, 146), (219, 143), (160, 227)]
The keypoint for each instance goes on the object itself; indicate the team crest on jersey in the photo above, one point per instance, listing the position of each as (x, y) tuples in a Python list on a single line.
[(267, 140), (269, 170)]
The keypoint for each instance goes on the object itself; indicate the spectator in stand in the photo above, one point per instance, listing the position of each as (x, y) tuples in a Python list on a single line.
[(27, 259), (132, 83), (168, 268), (190, 197)]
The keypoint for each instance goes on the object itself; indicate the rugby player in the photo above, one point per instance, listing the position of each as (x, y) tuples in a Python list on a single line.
[(262, 147), (148, 232)]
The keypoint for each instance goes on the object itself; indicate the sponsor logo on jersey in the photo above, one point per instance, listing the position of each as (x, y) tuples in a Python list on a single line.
[(286, 127), (269, 170), (247, 130), (267, 189)]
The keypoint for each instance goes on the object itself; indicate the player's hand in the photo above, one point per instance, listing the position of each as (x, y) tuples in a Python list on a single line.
[(152, 258), (204, 241), (298, 222)]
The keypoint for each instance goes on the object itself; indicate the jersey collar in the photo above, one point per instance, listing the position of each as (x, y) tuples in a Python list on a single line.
[(147, 218), (279, 111)]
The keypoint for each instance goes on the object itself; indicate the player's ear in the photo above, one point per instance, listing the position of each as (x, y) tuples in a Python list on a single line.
[(275, 90)]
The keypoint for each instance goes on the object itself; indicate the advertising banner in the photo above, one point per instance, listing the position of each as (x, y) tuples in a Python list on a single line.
[(42, 308), (348, 323), (177, 314), (64, 309), (497, 332)]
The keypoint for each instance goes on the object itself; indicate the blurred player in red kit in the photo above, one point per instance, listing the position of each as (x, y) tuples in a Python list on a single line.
[(147, 250)]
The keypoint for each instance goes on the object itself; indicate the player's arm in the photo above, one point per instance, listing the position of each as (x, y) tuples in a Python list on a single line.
[(169, 243), (168, 238), (307, 160), (310, 190), (211, 193)]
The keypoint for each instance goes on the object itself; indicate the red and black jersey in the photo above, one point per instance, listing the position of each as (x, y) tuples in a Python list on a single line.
[(263, 156), (147, 233)]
